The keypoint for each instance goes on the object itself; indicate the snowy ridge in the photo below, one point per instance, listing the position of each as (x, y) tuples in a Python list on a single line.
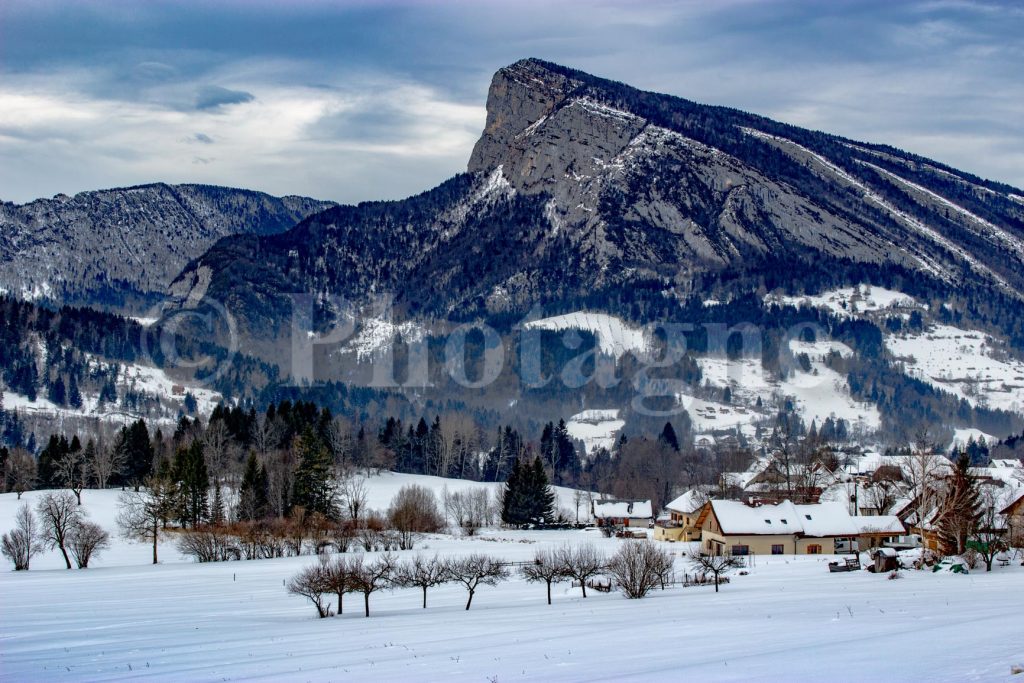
[(991, 231), (604, 110), (870, 195)]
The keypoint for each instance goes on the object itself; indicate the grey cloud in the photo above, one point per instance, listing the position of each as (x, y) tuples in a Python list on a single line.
[(214, 97), (203, 138)]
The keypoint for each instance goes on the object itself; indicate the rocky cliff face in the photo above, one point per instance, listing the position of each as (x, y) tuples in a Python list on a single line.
[(122, 248), (652, 180), (582, 191)]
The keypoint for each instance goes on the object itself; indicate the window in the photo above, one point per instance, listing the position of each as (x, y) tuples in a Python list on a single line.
[(767, 521), (784, 521), (814, 549), (807, 516), (741, 550), (777, 549)]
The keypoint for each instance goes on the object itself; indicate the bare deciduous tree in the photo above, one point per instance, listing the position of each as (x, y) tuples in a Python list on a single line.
[(547, 568), (311, 583), (716, 565), (339, 578), (370, 577), (468, 510), (58, 516), (21, 471), (87, 539), (352, 490), (141, 514), (581, 562), (923, 469), (73, 471), (638, 567), (24, 541), (106, 462), (477, 570), (422, 573)]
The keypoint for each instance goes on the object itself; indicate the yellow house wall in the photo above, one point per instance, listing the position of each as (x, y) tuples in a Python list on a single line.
[(762, 545)]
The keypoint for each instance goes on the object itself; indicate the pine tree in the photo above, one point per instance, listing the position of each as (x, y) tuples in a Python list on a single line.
[(959, 516), (253, 494), (57, 392), (669, 438), (313, 487), (193, 480), (74, 393), (217, 515)]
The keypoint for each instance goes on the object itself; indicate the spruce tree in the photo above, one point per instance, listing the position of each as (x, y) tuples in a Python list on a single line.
[(669, 438), (313, 487), (514, 498), (254, 494), (540, 497), (193, 482)]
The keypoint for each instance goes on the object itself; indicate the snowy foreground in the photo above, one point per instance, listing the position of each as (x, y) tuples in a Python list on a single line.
[(788, 620)]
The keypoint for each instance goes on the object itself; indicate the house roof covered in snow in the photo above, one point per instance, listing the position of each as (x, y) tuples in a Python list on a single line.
[(783, 518), (879, 524), (689, 502), (623, 509)]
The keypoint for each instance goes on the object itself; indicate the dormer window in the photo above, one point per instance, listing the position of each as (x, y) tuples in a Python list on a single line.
[(784, 521), (807, 516), (767, 521)]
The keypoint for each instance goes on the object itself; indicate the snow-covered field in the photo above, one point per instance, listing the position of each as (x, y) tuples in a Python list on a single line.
[(968, 364), (595, 428), (817, 395), (787, 620), (614, 336)]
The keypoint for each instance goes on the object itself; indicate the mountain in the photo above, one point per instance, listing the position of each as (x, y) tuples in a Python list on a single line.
[(608, 210), (583, 189), (121, 248)]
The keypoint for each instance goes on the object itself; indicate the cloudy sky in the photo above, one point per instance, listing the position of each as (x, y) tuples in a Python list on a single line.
[(366, 100)]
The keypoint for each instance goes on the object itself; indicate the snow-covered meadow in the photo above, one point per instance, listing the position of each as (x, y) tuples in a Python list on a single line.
[(788, 619)]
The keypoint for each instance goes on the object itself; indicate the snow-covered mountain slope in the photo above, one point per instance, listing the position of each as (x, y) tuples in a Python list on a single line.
[(614, 336), (966, 363), (596, 428)]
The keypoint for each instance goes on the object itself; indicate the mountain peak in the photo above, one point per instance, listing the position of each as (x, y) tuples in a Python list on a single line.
[(520, 95)]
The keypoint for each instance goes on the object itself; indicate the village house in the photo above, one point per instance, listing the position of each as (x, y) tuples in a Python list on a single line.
[(623, 513), (785, 528), (681, 524)]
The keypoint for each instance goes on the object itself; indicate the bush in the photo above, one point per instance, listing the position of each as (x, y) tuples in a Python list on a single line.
[(24, 541), (638, 567), (414, 511), (209, 544), (86, 540)]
